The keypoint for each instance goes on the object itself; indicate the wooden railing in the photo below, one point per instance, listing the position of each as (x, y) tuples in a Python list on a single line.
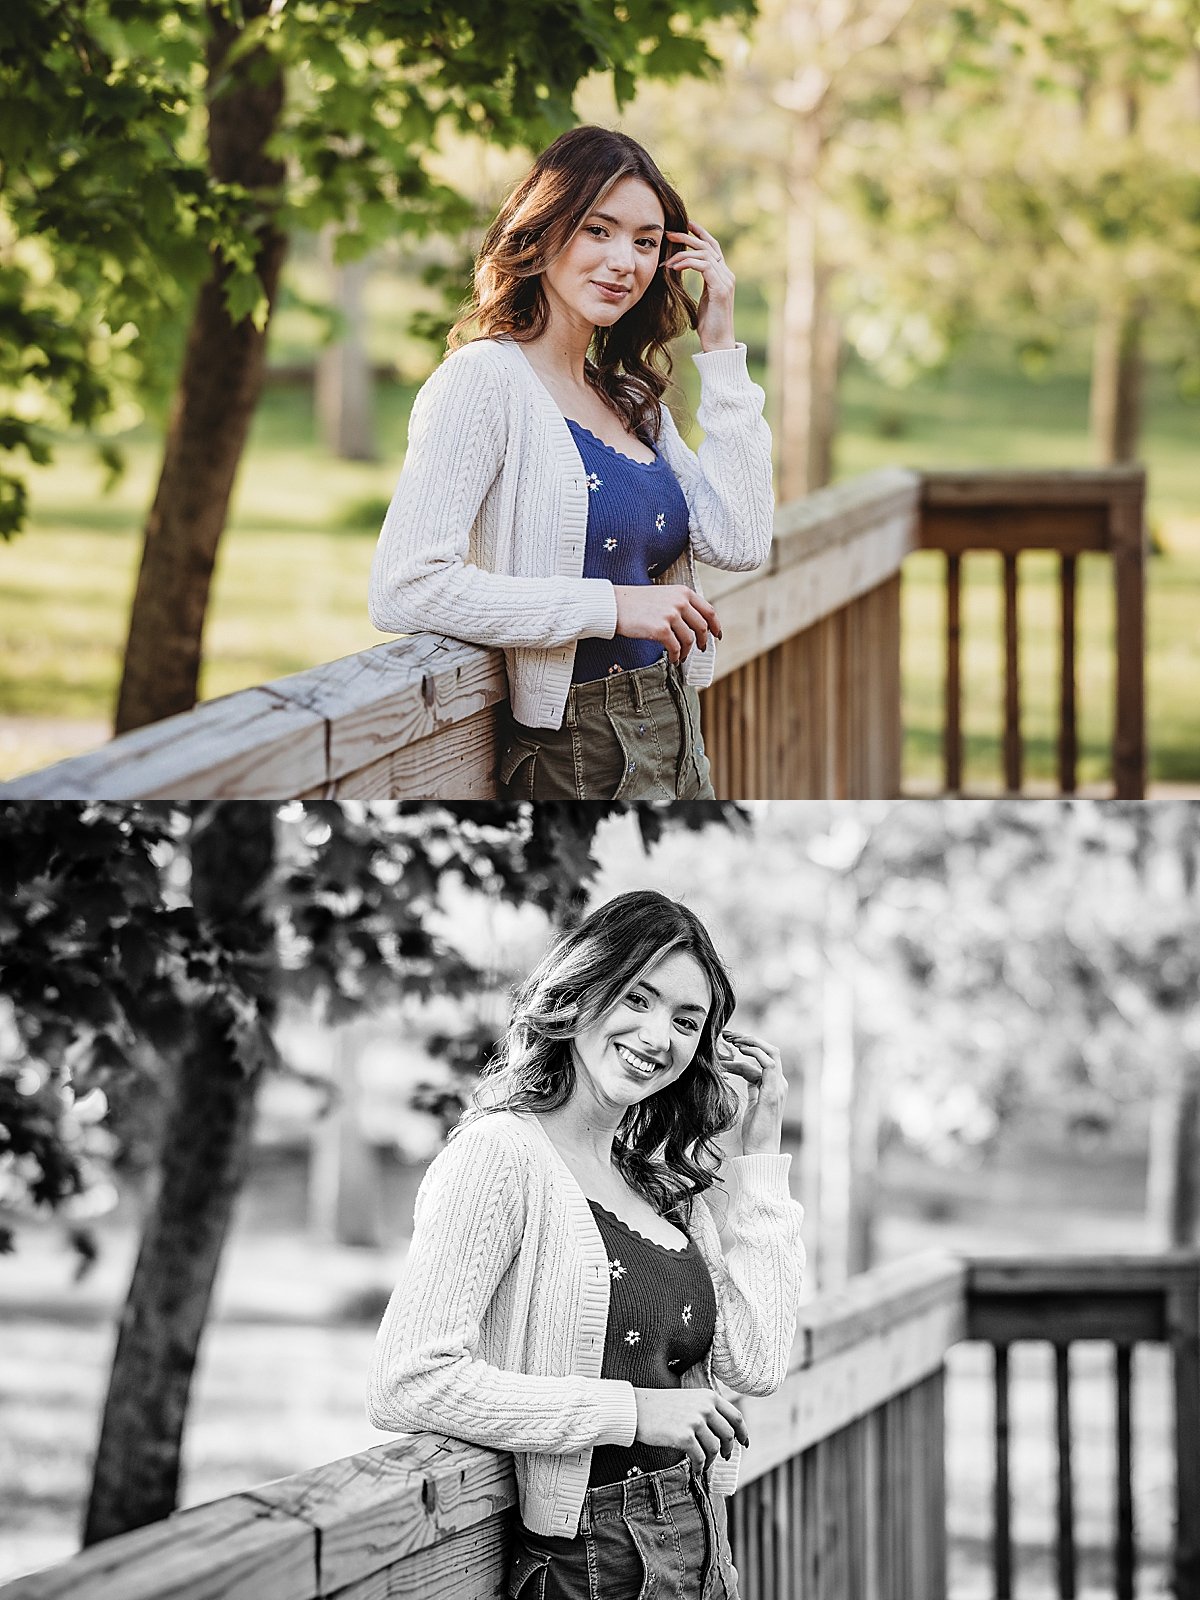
[(1072, 514), (806, 702), (842, 1493), (1124, 1302), (834, 1484)]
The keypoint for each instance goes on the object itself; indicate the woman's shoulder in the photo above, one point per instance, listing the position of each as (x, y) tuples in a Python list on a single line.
[(504, 1133), (478, 358)]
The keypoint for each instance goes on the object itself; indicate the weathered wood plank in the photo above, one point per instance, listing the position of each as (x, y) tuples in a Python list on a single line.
[(375, 1508), (953, 743), (1067, 1315), (396, 695), (1010, 529), (1183, 1322), (253, 745), (1012, 680), (877, 1300), (1068, 742), (757, 616), (231, 1549), (1065, 1543), (1128, 536), (458, 763), (1172, 1271), (816, 1401), (1124, 1551), (1001, 1494), (468, 1565), (1019, 486)]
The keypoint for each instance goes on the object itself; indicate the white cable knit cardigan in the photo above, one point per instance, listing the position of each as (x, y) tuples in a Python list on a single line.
[(484, 537), (495, 1331)]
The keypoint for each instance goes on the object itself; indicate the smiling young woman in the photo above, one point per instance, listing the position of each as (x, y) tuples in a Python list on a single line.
[(607, 1234), (548, 504)]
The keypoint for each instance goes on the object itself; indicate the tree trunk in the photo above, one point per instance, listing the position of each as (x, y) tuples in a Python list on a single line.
[(343, 384), (1116, 397), (205, 1153), (219, 388), (345, 1201), (808, 351), (1173, 1181)]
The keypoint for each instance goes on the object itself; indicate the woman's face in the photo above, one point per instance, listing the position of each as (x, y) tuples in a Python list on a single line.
[(649, 1037), (611, 260)]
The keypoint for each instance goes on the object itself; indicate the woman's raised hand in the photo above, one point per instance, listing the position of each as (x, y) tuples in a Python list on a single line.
[(757, 1069), (672, 614), (714, 311), (698, 1421)]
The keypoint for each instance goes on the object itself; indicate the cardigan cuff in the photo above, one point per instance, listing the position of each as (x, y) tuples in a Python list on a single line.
[(599, 609), (762, 1175), (617, 1405), (722, 366)]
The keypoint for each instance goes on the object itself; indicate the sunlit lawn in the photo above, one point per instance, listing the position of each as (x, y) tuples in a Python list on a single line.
[(289, 588)]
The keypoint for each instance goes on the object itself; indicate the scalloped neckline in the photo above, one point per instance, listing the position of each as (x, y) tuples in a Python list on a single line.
[(672, 1250), (620, 454)]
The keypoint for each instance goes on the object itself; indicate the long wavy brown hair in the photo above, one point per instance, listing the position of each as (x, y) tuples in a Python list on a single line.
[(665, 1146), (629, 362)]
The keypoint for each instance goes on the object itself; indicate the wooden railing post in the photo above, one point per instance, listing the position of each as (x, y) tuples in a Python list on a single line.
[(1128, 536), (1183, 1326), (1070, 513)]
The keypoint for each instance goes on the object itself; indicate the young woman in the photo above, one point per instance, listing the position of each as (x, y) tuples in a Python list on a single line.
[(585, 1265), (548, 504)]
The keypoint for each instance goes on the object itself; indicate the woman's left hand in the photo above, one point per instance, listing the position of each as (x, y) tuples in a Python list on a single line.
[(758, 1066), (714, 316)]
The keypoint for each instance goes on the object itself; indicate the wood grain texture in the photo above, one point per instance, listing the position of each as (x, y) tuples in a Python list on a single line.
[(231, 1549), (375, 1508), (819, 1400), (251, 746)]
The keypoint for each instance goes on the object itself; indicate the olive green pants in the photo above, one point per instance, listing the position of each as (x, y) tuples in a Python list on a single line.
[(633, 736)]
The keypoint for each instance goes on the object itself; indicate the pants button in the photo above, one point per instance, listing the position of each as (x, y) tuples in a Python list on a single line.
[(641, 727), (632, 767)]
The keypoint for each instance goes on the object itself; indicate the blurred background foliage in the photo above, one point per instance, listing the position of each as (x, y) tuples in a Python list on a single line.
[(963, 234)]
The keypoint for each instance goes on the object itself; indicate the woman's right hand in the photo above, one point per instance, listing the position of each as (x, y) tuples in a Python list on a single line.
[(698, 1421), (674, 615)]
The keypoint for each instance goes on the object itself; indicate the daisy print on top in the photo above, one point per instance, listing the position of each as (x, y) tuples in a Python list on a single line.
[(637, 526), (662, 1313)]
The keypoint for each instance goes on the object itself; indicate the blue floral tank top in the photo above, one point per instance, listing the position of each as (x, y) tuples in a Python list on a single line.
[(637, 526)]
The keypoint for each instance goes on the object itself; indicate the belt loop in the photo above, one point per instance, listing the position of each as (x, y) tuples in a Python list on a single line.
[(660, 1495), (636, 685), (572, 705), (585, 1515)]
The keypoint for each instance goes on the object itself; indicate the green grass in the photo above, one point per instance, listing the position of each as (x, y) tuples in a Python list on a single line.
[(291, 577)]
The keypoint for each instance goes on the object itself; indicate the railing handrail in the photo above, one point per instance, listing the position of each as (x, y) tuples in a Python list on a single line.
[(427, 1508), (304, 734), (315, 1532), (805, 700)]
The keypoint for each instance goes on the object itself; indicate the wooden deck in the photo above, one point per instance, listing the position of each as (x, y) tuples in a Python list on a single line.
[(843, 1491), (806, 702)]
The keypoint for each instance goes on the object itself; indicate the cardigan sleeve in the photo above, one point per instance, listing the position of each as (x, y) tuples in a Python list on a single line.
[(727, 484), (758, 1282), (421, 578), (427, 1373)]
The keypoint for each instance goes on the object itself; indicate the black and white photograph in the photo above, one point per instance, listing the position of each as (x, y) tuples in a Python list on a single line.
[(762, 1200)]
